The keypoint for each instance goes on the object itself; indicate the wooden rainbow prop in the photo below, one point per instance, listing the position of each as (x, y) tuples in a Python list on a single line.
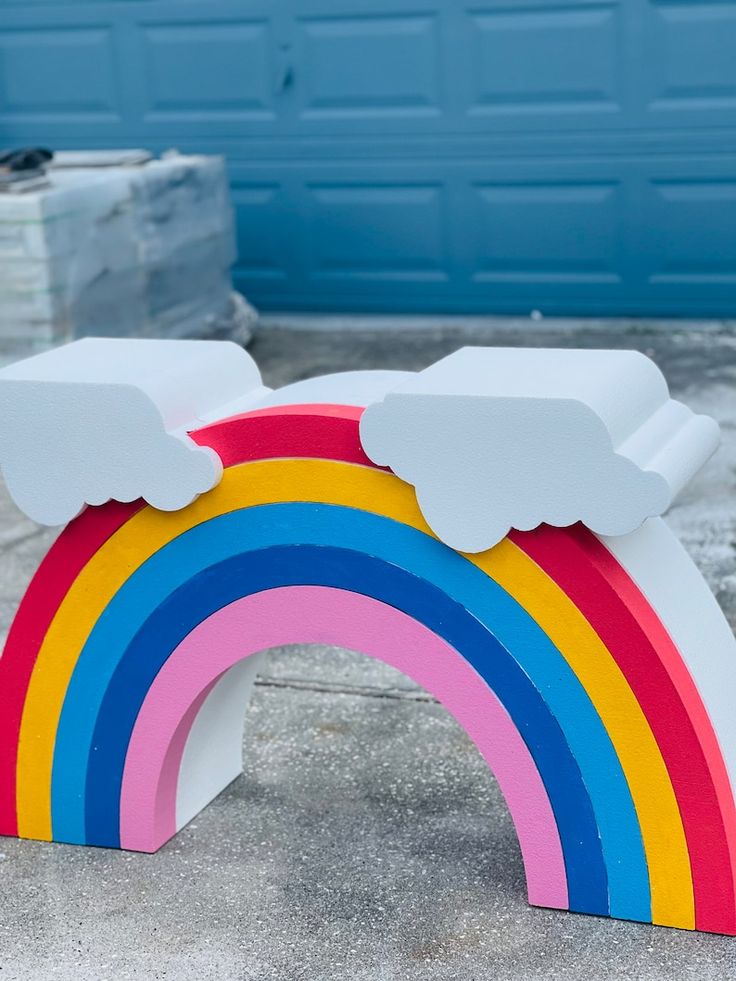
[(576, 664)]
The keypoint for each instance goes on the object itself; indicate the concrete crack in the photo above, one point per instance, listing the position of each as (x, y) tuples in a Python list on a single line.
[(364, 691)]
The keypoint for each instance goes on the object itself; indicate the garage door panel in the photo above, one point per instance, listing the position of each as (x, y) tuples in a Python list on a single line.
[(508, 235), (234, 70), (447, 223), (375, 230), (574, 50), (378, 66), (403, 69), (696, 221), (526, 232), (266, 253), (79, 57), (223, 70), (568, 155), (691, 71)]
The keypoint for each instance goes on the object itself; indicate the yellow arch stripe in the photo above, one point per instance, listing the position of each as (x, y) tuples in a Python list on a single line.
[(333, 482)]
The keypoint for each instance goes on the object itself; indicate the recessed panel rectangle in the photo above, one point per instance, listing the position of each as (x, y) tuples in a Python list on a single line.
[(64, 70), (536, 231), (696, 225), (368, 66), (693, 56), (365, 231), (263, 231), (556, 60), (208, 68)]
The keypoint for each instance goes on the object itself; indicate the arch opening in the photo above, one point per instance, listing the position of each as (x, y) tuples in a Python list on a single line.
[(209, 675)]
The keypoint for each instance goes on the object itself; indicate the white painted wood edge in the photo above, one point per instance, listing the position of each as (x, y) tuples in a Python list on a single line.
[(213, 752), (662, 569)]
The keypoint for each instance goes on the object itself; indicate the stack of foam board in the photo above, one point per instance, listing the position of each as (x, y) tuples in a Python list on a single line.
[(143, 250)]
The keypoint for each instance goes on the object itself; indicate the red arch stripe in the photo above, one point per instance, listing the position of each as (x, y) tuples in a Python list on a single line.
[(621, 616)]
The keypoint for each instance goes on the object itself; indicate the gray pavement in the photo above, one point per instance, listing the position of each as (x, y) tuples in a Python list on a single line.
[(366, 839)]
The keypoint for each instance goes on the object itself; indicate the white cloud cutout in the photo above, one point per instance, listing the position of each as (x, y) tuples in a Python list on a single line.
[(491, 438), (107, 418), (86, 445), (487, 453)]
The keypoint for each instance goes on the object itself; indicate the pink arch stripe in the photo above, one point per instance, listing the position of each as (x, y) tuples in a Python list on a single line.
[(322, 615)]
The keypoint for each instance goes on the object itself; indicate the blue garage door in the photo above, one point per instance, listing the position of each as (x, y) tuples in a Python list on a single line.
[(427, 155)]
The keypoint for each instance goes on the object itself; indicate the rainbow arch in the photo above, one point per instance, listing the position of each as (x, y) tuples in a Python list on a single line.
[(544, 648)]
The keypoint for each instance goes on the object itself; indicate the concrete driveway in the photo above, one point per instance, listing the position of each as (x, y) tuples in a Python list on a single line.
[(366, 840)]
